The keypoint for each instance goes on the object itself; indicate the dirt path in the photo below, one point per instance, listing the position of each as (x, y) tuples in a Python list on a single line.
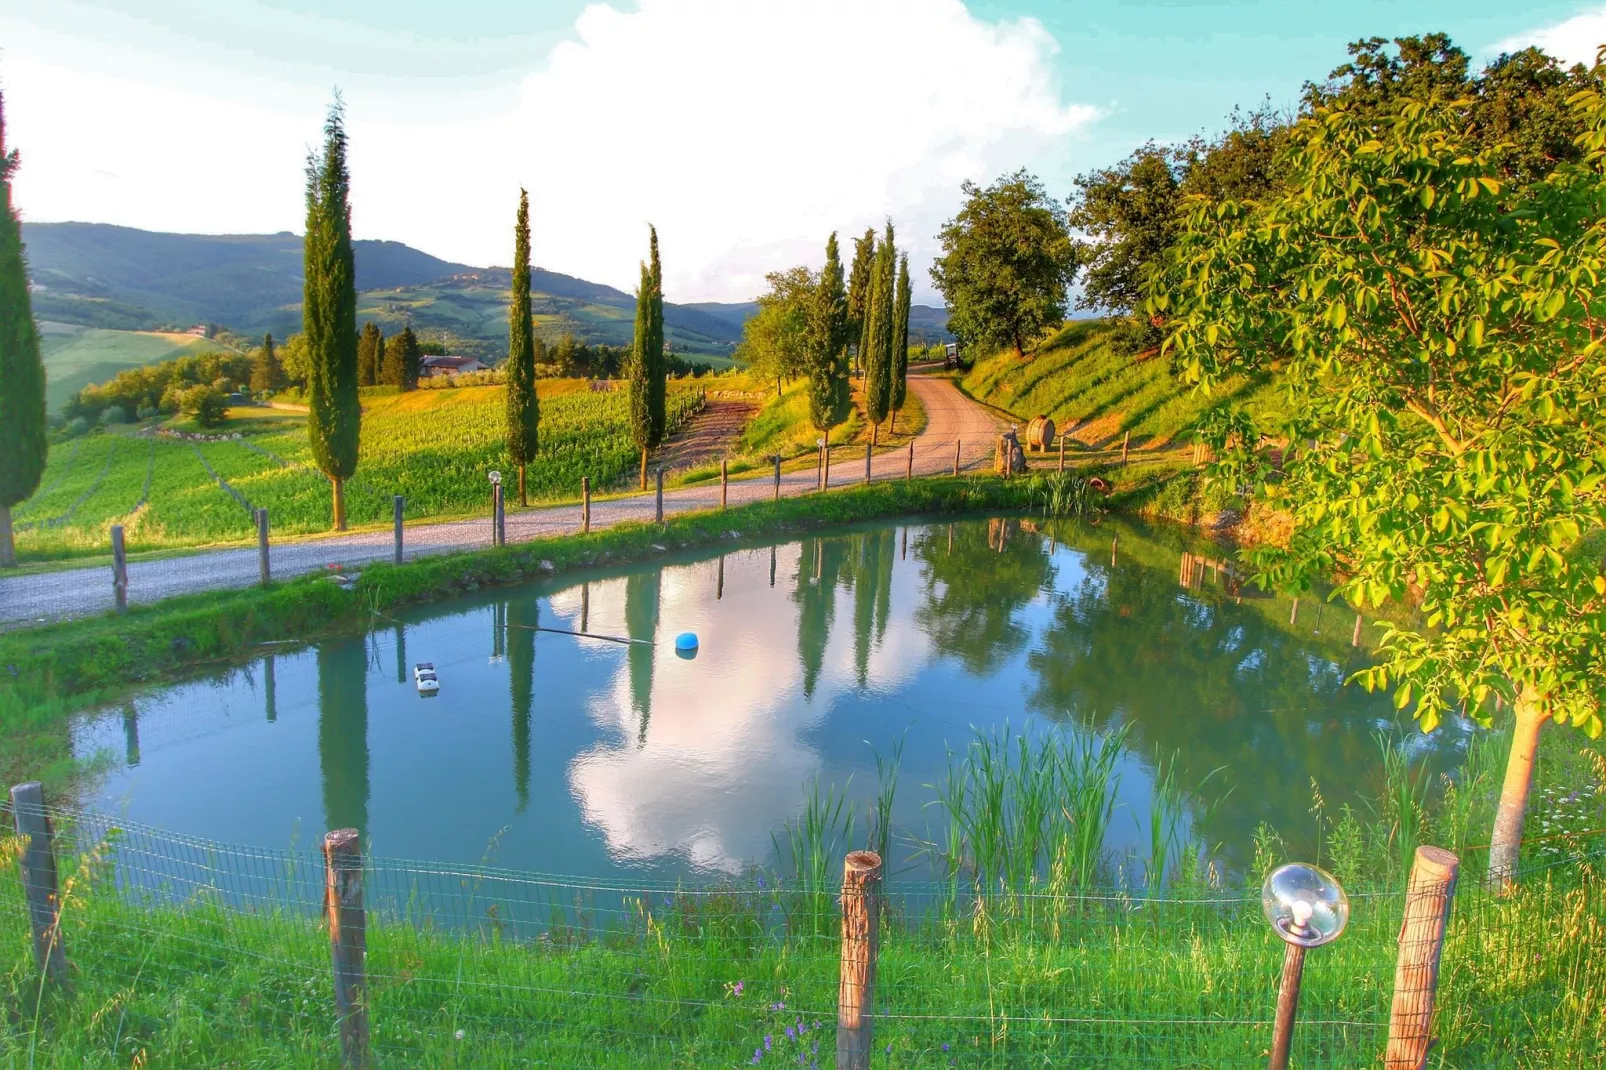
[(711, 435), (951, 418)]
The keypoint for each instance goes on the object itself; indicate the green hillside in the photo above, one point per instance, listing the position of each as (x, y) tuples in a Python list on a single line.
[(97, 275), (77, 356), (1096, 394)]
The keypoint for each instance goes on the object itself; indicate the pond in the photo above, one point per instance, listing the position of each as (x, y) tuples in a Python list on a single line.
[(549, 752)]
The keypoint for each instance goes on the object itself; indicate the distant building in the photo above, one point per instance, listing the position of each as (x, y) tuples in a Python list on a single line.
[(434, 367), (200, 330)]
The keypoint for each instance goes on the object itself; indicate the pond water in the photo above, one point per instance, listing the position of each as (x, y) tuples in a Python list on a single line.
[(548, 752)]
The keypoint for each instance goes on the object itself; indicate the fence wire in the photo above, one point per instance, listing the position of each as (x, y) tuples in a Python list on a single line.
[(185, 951)]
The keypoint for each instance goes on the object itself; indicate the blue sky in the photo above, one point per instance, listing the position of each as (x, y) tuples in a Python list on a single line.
[(745, 129)]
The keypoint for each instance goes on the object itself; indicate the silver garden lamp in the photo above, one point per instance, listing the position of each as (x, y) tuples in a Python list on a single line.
[(1307, 908)]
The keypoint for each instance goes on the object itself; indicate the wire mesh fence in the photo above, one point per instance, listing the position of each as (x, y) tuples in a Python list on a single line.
[(41, 595), (189, 951)]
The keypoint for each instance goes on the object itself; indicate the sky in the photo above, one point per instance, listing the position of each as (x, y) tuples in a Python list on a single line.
[(745, 130)]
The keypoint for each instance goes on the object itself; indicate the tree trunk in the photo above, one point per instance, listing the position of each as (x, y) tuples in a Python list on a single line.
[(338, 485), (874, 428), (892, 429), (1505, 845), (523, 501), (1020, 354), (777, 386), (8, 549), (644, 468)]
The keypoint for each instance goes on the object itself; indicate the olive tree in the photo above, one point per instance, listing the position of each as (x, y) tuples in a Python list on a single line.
[(1439, 331)]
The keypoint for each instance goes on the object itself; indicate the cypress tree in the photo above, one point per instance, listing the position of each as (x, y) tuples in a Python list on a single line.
[(640, 374), (859, 289), (523, 408), (900, 340), (412, 358), (655, 347), (23, 446), (370, 345), (267, 375), (390, 362), (876, 347), (827, 344), (329, 312)]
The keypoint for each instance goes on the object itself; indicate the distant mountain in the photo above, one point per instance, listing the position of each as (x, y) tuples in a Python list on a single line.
[(926, 324), (99, 275)]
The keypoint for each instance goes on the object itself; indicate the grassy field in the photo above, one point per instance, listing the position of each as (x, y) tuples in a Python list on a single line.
[(77, 356), (1097, 395), (434, 447)]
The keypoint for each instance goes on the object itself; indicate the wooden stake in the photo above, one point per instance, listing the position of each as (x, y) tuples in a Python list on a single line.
[(498, 532), (1428, 895), (37, 867), (956, 456), (659, 511), (348, 942), (724, 483), (1062, 453), (262, 546), (1126, 440), (825, 477), (777, 477), (869, 452), (398, 505), (861, 913), (1355, 636), (1282, 1037), (119, 569), (910, 472), (585, 506)]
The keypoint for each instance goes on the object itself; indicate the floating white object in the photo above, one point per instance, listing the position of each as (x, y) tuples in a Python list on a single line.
[(424, 678)]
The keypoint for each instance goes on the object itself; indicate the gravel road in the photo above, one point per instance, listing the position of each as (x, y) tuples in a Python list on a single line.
[(950, 417)]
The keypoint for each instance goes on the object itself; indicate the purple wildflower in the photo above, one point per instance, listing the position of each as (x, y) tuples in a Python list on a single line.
[(778, 1006), (945, 1046), (791, 1034), (767, 1039), (757, 1056), (737, 989)]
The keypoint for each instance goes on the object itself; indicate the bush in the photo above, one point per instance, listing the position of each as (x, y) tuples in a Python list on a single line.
[(148, 412), (208, 405), (114, 414)]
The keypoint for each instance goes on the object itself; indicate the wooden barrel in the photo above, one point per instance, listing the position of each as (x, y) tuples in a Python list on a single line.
[(1040, 434)]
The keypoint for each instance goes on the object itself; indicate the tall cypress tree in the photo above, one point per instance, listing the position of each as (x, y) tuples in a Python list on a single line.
[(267, 375), (523, 408), (640, 374), (827, 344), (900, 340), (370, 345), (655, 347), (411, 357), (876, 347), (859, 289), (23, 446), (391, 357), (329, 314)]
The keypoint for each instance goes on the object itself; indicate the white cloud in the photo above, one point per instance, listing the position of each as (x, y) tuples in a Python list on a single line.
[(746, 130), (1574, 41)]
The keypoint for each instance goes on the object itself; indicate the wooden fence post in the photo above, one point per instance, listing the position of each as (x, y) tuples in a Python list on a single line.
[(1126, 440), (1062, 453), (398, 505), (262, 546), (1428, 895), (777, 477), (869, 451), (659, 513), (38, 870), (956, 456), (1282, 1037), (498, 530), (724, 483), (348, 942), (585, 505), (861, 913), (909, 473), (825, 479), (119, 568)]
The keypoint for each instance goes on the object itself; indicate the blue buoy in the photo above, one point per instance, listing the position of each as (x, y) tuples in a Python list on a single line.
[(686, 645)]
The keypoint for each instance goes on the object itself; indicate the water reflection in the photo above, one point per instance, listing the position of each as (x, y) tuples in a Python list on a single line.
[(816, 655)]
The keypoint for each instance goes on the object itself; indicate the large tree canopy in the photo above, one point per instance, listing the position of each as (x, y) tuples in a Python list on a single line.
[(1007, 261), (1439, 326), (774, 339)]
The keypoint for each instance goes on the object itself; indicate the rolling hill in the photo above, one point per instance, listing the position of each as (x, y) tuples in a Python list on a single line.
[(77, 356), (103, 276), (927, 324)]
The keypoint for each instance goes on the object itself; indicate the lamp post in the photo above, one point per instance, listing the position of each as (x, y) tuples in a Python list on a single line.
[(1306, 908), (498, 533)]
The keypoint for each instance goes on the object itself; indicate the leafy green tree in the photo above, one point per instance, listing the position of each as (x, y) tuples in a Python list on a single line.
[(876, 347), (267, 377), (206, 404), (826, 344), (775, 338), (391, 361), (1435, 325), (658, 380), (859, 288), (23, 446), (295, 360), (329, 314), (370, 351), (523, 407), (409, 356), (900, 340), (1007, 261)]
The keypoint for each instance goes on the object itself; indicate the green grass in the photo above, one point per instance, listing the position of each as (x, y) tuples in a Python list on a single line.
[(432, 446), (77, 356), (1099, 395)]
